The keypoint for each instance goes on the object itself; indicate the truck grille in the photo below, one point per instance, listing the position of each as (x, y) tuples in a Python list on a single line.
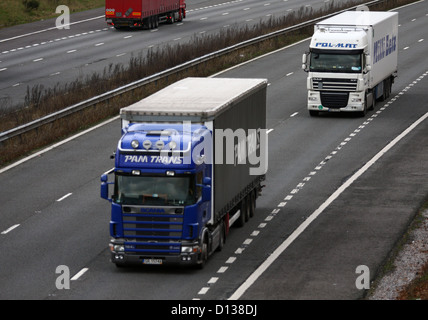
[(334, 99), (334, 84), (153, 231)]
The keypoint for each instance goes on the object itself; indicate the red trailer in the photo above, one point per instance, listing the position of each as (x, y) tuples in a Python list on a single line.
[(144, 13)]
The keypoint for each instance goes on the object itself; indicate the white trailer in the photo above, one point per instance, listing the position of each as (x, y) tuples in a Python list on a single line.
[(352, 61)]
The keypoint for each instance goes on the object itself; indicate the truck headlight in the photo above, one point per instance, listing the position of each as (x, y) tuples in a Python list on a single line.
[(313, 97), (189, 249), (135, 144), (119, 248)]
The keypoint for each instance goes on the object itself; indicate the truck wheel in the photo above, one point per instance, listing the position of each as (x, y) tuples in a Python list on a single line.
[(252, 198), (243, 208), (387, 86), (364, 112), (313, 113), (222, 239), (204, 254)]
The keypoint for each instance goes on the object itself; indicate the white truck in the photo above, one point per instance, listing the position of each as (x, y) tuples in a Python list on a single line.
[(352, 61)]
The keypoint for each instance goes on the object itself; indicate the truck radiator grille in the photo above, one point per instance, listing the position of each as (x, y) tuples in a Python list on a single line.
[(334, 99), (334, 84), (154, 233)]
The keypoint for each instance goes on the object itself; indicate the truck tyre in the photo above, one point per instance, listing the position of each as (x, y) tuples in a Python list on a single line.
[(222, 239), (243, 208), (252, 204), (387, 86), (313, 113), (364, 112), (204, 253)]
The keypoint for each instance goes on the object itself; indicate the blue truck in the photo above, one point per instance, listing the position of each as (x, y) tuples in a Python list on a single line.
[(190, 164)]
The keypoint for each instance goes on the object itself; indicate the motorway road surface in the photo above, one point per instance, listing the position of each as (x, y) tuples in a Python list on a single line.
[(52, 215), (39, 54)]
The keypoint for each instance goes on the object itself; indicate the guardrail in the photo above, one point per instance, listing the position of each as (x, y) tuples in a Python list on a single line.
[(155, 77)]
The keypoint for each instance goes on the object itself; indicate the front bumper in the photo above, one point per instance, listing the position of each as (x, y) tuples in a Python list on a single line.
[(355, 103), (122, 256)]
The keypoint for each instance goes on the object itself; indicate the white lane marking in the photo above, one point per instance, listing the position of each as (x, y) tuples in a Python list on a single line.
[(213, 280), (10, 229), (204, 290), (37, 154), (64, 197), (272, 258), (222, 269), (79, 274)]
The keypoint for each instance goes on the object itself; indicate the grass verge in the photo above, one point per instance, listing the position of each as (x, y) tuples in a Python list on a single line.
[(15, 12)]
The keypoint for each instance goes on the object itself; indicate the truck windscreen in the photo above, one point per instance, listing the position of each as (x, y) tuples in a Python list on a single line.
[(336, 62), (154, 190)]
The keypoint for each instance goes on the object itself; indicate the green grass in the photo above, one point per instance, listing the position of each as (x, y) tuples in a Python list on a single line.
[(14, 12)]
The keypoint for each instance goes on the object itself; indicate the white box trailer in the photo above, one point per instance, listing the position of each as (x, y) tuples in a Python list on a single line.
[(352, 61)]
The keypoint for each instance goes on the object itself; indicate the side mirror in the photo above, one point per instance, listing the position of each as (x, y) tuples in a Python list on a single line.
[(206, 193), (104, 191), (206, 181), (104, 187), (304, 62), (368, 62)]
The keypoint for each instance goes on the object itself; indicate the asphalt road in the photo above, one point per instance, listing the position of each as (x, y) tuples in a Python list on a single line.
[(52, 214), (40, 54)]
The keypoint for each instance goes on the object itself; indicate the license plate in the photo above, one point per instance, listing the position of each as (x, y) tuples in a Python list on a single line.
[(152, 261), (333, 110)]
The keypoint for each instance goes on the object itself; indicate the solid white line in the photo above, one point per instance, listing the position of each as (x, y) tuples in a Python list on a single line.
[(37, 154), (79, 274), (10, 229), (271, 259), (66, 196)]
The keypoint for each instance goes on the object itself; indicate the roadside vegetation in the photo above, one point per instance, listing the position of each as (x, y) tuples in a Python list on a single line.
[(15, 12), (40, 101)]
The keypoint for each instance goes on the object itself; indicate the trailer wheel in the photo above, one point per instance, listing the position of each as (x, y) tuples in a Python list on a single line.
[(252, 200), (243, 208)]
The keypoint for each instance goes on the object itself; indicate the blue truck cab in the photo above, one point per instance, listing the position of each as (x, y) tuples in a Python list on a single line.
[(181, 178)]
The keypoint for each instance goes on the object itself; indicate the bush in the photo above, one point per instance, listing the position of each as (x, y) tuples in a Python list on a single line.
[(31, 4)]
